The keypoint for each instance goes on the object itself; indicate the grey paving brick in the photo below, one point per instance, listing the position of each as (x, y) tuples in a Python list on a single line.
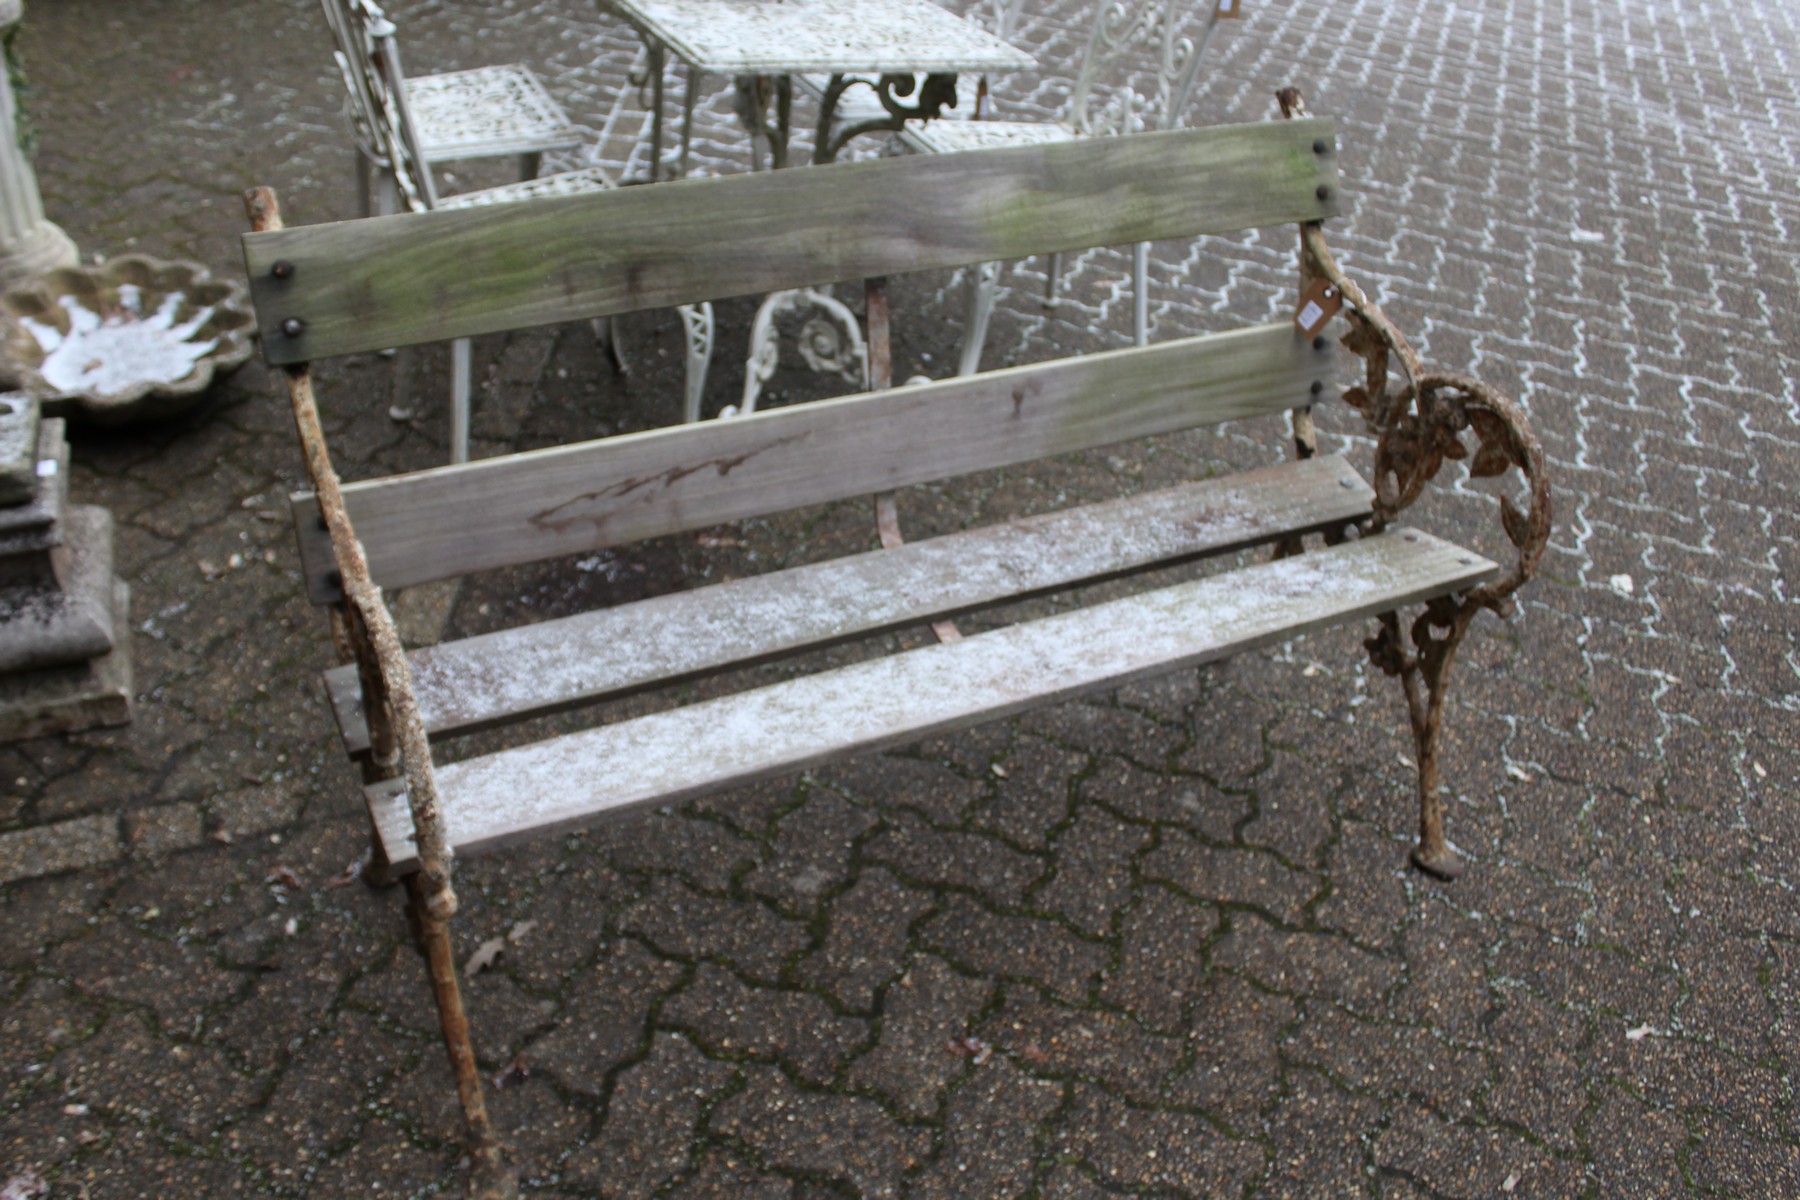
[(646, 1140), (991, 1143), (921, 1045), (733, 1021), (844, 1138), (1145, 1148)]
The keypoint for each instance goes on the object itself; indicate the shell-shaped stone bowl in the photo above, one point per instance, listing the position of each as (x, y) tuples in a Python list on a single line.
[(134, 339)]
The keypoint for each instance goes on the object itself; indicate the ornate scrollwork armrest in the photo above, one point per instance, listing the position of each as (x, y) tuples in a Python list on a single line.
[(1419, 420)]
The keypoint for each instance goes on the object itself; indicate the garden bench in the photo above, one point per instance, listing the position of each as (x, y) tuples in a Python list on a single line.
[(330, 290)]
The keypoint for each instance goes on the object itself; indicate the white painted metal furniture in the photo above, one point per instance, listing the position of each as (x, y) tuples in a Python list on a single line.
[(860, 101), (409, 183), (912, 50), (1106, 98), (765, 43), (831, 343), (484, 112)]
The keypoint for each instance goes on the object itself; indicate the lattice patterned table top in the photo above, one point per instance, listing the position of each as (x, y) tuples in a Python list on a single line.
[(774, 37)]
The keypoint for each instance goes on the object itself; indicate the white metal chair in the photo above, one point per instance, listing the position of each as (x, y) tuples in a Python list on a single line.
[(407, 172), (1176, 33), (831, 343), (484, 112)]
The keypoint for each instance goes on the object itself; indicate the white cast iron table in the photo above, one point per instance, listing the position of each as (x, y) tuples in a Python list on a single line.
[(766, 40)]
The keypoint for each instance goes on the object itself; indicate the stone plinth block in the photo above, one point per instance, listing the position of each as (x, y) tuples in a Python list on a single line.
[(79, 696), (31, 536), (48, 627), (18, 448), (65, 621)]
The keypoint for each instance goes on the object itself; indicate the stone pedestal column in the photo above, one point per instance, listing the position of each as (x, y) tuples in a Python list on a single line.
[(29, 245), (65, 633)]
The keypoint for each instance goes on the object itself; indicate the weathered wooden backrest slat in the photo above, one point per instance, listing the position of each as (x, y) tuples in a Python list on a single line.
[(520, 508), (328, 290)]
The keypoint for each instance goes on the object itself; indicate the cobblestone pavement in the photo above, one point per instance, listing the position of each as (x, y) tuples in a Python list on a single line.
[(1177, 917)]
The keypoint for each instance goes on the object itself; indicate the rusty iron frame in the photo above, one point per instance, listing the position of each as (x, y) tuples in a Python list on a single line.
[(363, 632), (1418, 423)]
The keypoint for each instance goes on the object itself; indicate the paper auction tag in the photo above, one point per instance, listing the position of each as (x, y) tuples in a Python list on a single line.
[(1320, 303), (1230, 10)]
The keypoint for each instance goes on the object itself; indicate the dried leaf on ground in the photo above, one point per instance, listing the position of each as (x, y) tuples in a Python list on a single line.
[(716, 541), (284, 877), (970, 1047), (26, 1185), (346, 877), (484, 957), (515, 1072)]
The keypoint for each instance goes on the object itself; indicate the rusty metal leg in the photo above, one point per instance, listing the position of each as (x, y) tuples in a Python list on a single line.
[(363, 629), (489, 1178), (1434, 854), (1423, 675)]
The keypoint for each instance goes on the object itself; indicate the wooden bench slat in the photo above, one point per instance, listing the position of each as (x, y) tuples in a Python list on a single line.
[(478, 681), (426, 277), (672, 756), (500, 512)]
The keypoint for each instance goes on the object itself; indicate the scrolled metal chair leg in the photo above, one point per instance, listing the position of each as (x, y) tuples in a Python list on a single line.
[(1140, 294), (697, 326), (462, 387), (984, 282)]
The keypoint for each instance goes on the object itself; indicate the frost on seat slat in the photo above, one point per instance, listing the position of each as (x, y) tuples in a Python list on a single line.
[(485, 680), (668, 757)]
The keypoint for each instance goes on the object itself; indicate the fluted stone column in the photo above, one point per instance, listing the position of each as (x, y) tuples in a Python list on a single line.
[(29, 245)]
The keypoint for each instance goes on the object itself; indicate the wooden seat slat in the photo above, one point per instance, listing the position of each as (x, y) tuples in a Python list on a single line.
[(499, 512), (668, 757), (354, 286), (488, 679)]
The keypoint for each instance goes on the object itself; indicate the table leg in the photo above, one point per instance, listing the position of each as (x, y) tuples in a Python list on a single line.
[(656, 110), (828, 103), (687, 116), (935, 94), (784, 108)]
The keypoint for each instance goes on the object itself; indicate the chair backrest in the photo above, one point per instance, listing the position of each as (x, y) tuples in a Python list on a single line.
[(355, 286), (575, 499), (327, 290), (368, 54), (1152, 98), (999, 17), (353, 52)]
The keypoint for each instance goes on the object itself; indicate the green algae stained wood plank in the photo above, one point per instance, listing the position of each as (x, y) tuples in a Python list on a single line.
[(427, 277), (495, 677), (671, 756), (521, 508)]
